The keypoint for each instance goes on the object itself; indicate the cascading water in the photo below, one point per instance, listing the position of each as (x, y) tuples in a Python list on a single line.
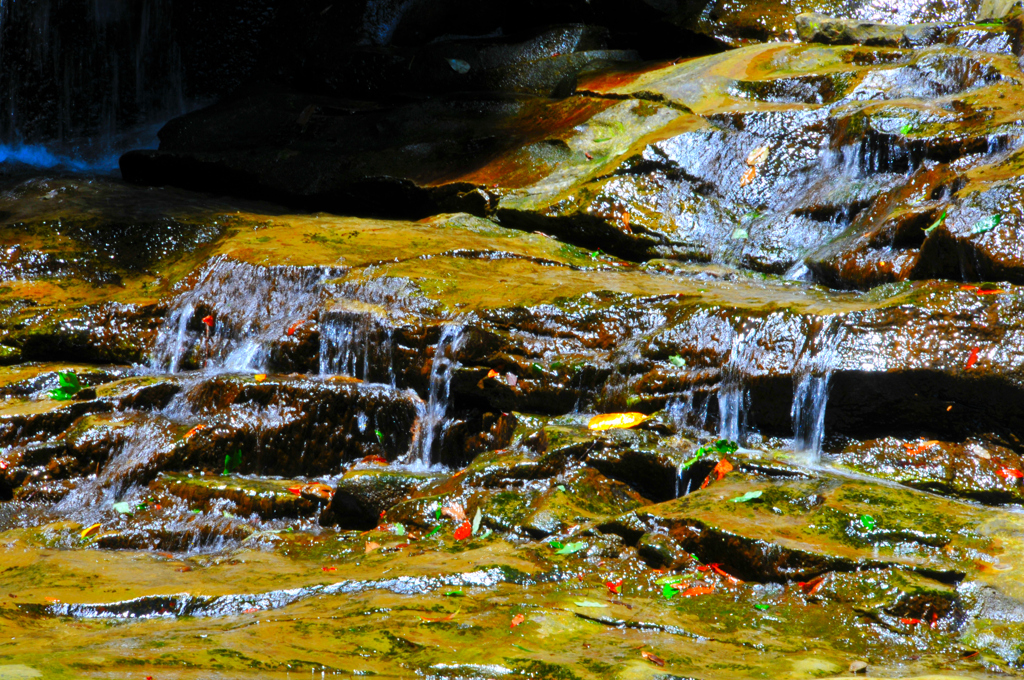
[(444, 364), (358, 343), (247, 309), (811, 374), (732, 393)]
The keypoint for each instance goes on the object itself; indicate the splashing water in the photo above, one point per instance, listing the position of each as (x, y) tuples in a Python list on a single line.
[(811, 374), (444, 365), (251, 308), (358, 343), (732, 393)]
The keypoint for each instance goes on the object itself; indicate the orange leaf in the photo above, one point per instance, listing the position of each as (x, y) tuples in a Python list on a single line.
[(379, 460), (294, 327), (973, 358), (208, 320), (727, 576), (370, 547), (968, 287), (260, 377), (89, 531), (614, 586), (328, 569), (721, 469), (924, 446), (1006, 473), (316, 491), (748, 176), (910, 622), (464, 531), (449, 617), (517, 619), (492, 373), (697, 590), (188, 435), (993, 291), (297, 490), (616, 421), (657, 661), (812, 586)]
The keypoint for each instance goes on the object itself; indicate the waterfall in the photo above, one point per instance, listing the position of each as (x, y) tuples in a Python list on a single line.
[(358, 343), (811, 373), (247, 309), (732, 392), (444, 364)]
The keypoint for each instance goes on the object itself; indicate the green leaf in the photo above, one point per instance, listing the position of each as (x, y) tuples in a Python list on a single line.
[(228, 515), (232, 461), (591, 604), (523, 648), (454, 593), (195, 512), (536, 367), (398, 528), (571, 548), (603, 139), (60, 395), (668, 592), (677, 361), (740, 234), (762, 607), (906, 129), (433, 531), (561, 487), (752, 215), (487, 532), (69, 381), (868, 522), (556, 545), (437, 512), (748, 496), (671, 578), (935, 224), (124, 508), (380, 436), (476, 521), (986, 224)]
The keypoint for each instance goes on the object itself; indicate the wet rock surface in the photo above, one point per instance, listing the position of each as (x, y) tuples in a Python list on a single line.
[(255, 440)]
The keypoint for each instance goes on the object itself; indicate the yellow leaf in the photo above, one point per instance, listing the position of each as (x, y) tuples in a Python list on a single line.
[(89, 531), (757, 156), (616, 421), (749, 176), (260, 377)]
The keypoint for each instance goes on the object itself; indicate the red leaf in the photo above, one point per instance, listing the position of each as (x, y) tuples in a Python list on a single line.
[(728, 577), (328, 569), (251, 610), (188, 435), (294, 327), (587, 154), (379, 460), (1006, 473), (697, 590), (297, 490), (723, 468), (973, 358), (208, 320), (657, 661), (516, 620), (812, 586), (994, 291), (910, 622), (614, 586), (968, 287), (464, 531)]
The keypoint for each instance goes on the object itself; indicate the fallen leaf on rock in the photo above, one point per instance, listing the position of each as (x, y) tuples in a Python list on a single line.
[(616, 421), (294, 327), (328, 569), (492, 373), (191, 433), (748, 496), (516, 620), (317, 491), (477, 518), (677, 361), (986, 224), (455, 511), (571, 548), (398, 529), (748, 176), (375, 459), (936, 224), (464, 531), (251, 610), (762, 607), (614, 586), (812, 586), (757, 156), (124, 508), (724, 574), (721, 469), (867, 521), (698, 590), (1007, 473), (968, 286), (989, 291), (973, 357), (89, 531), (657, 661), (913, 450), (370, 547), (297, 490), (260, 377), (512, 379), (910, 622), (208, 320)]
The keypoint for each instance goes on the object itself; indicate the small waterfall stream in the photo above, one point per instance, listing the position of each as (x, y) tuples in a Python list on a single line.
[(444, 364), (812, 371)]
